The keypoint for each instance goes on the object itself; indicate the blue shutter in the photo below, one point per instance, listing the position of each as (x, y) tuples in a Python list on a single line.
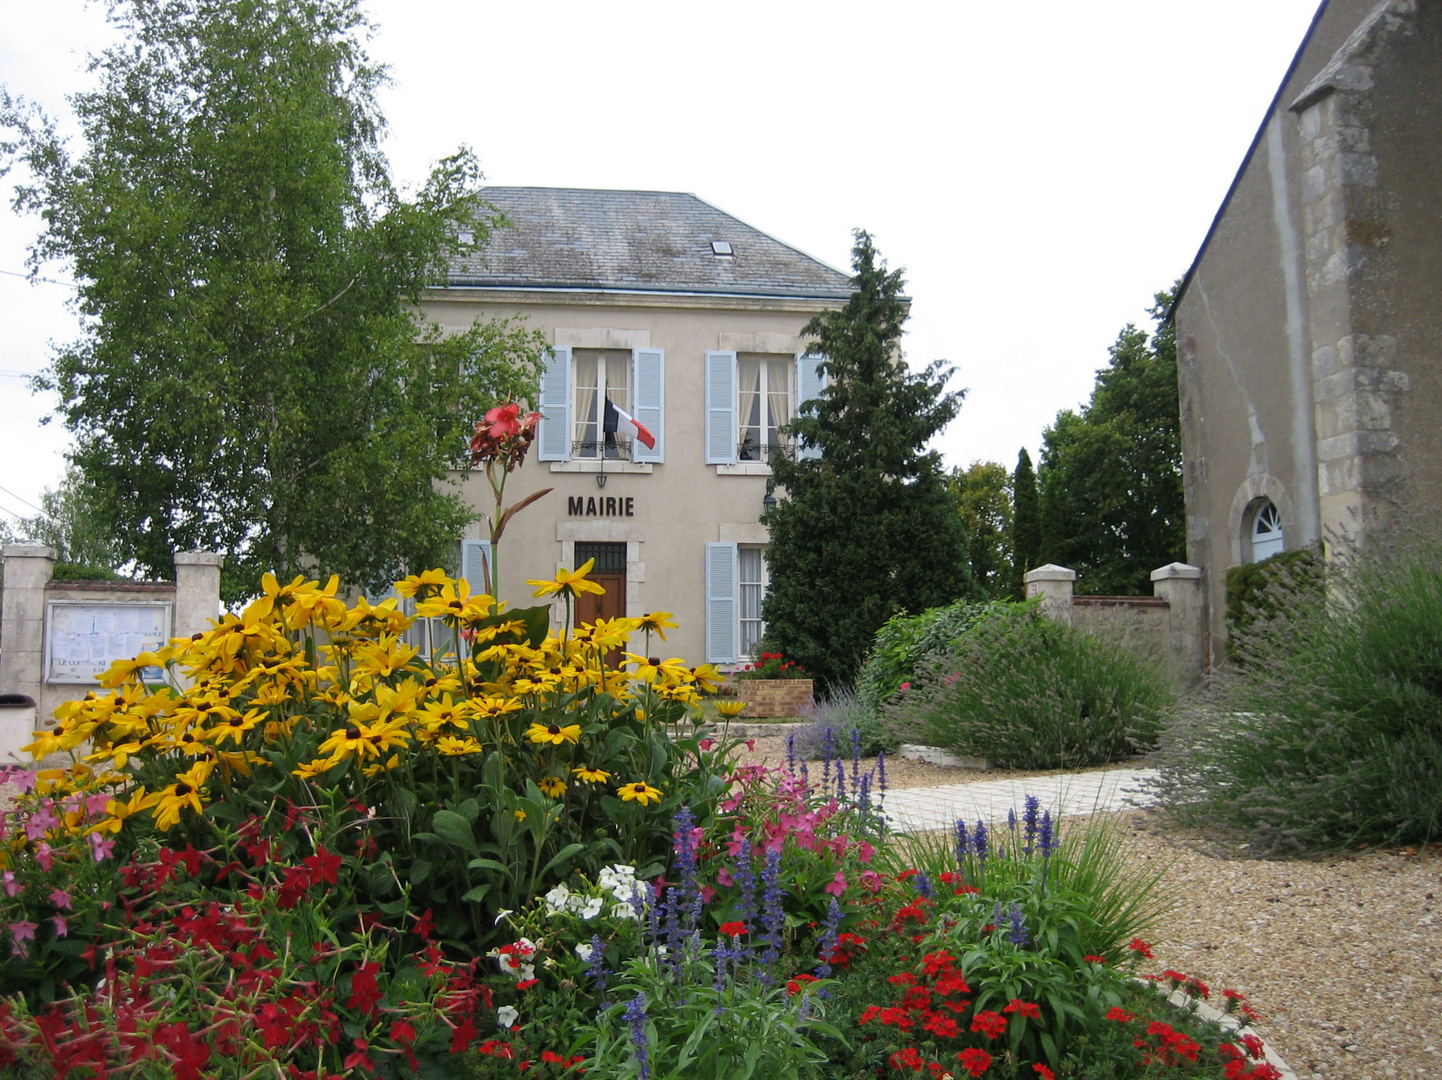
[(721, 603), (810, 381), (553, 439), (475, 559), (649, 402), (720, 408)]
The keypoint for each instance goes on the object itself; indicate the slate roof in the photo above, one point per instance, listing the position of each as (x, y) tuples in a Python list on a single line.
[(650, 241)]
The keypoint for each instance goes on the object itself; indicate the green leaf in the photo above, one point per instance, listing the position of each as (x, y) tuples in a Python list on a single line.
[(455, 830), (476, 895), (566, 853)]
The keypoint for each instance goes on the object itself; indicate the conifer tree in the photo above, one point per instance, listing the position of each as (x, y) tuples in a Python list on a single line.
[(869, 529), (1025, 523)]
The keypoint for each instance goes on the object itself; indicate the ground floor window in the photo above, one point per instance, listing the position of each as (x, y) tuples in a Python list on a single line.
[(1266, 531), (736, 583), (752, 581)]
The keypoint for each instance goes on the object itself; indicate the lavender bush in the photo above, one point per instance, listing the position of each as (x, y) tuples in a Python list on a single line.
[(1030, 693)]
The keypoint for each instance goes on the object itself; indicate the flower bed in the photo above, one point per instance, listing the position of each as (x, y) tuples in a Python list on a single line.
[(325, 856)]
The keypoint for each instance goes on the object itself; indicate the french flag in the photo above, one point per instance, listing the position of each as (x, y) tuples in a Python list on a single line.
[(620, 422)]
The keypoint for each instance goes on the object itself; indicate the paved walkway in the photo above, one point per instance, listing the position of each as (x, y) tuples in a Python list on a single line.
[(918, 809)]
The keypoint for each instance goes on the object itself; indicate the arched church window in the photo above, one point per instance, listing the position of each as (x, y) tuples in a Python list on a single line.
[(1267, 537)]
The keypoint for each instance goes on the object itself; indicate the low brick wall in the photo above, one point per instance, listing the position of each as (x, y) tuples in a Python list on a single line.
[(773, 697)]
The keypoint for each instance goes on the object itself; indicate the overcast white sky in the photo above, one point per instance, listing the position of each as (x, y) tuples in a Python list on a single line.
[(1039, 170)]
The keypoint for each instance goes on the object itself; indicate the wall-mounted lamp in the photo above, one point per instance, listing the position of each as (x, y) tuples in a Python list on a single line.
[(601, 479)]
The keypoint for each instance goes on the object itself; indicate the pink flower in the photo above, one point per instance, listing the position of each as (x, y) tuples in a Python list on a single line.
[(20, 933), (906, 686), (706, 744), (751, 745), (871, 881), (503, 421), (707, 894), (12, 887), (865, 851), (837, 886), (61, 899), (101, 849), (62, 928), (43, 856), (723, 877)]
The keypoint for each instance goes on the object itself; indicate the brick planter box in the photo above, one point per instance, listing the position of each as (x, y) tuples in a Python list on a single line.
[(773, 697)]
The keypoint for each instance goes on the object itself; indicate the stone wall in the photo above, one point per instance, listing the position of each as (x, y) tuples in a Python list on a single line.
[(194, 599), (1170, 626)]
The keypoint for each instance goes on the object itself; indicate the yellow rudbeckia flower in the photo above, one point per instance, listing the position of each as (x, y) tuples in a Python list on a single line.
[(640, 792), (553, 787), (568, 582), (554, 733), (590, 775)]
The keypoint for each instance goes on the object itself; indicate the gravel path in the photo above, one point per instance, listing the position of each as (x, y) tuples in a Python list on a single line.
[(1342, 956)]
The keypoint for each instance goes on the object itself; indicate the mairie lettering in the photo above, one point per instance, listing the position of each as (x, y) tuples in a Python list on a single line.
[(600, 506)]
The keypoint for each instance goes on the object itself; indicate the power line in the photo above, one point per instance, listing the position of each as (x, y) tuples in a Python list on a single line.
[(27, 502), (48, 281)]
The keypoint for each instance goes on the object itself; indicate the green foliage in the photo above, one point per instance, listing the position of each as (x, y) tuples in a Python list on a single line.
[(68, 571), (72, 521), (984, 500), (1089, 882), (690, 1028), (1027, 692), (1257, 590), (252, 378), (1111, 475), (1040, 930), (905, 641), (1026, 524), (869, 529), (1327, 730)]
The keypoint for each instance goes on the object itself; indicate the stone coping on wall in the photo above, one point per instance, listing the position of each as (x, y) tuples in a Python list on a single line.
[(81, 585), (1121, 601)]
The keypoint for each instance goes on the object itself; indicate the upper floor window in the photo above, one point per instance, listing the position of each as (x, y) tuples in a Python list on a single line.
[(599, 375), (765, 402), (575, 386), (750, 397)]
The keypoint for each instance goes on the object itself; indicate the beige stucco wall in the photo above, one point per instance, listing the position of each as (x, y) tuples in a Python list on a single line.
[(678, 505)]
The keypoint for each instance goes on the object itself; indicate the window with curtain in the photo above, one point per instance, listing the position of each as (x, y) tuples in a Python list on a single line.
[(595, 375), (765, 402)]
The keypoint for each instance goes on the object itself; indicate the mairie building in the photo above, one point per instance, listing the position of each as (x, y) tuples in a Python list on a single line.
[(689, 321)]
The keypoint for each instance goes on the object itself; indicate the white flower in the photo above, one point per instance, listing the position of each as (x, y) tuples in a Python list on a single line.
[(592, 908), (557, 899), (506, 1016), (584, 950), (502, 914)]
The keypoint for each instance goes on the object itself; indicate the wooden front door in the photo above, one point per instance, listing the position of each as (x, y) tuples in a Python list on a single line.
[(609, 573)]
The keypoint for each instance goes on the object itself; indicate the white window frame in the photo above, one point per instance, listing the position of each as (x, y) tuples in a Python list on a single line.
[(741, 586), (1264, 531)]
